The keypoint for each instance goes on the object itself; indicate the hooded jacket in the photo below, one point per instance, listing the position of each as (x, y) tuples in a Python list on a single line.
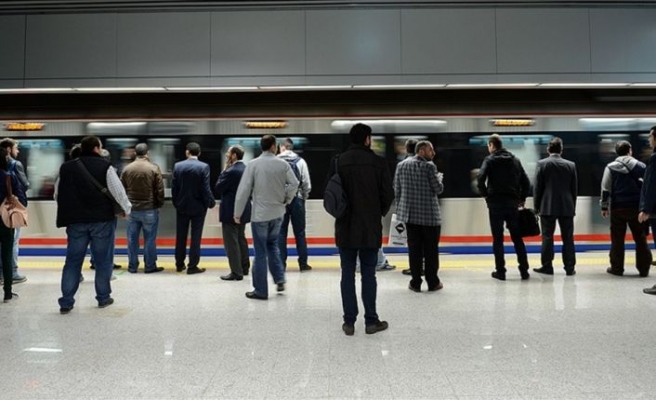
[(621, 184)]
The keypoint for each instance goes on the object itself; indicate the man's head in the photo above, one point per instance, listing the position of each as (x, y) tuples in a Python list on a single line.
[(91, 144), (11, 146), (425, 149), (410, 145), (652, 137), (494, 143), (75, 151), (623, 148), (555, 146), (361, 134), (235, 153), (192, 149), (268, 143), (141, 149), (287, 144)]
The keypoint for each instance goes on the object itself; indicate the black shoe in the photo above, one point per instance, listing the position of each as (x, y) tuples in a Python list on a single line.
[(231, 277), (132, 271), (117, 266), (106, 303), (611, 271), (349, 330), (280, 286), (499, 275), (180, 268), (409, 272), (544, 270), (651, 290), (9, 297), (195, 270), (305, 268), (246, 271), (92, 266), (152, 271), (414, 289), (253, 295), (524, 274), (377, 327), (653, 263), (439, 286), (570, 272), (644, 274), (65, 310)]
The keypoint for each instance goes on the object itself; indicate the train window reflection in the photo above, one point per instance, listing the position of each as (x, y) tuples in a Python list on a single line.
[(378, 145), (252, 148), (399, 145), (42, 160), (121, 151), (161, 151)]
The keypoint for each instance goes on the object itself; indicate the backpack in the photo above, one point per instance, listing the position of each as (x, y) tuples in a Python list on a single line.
[(293, 163), (335, 201)]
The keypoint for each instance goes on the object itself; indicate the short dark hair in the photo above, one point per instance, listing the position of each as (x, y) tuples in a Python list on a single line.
[(288, 143), (495, 140), (75, 151), (359, 133), (622, 148), (141, 149), (89, 143), (555, 145), (421, 144), (410, 146), (238, 151), (267, 142), (193, 148), (652, 131), (8, 143), (4, 162)]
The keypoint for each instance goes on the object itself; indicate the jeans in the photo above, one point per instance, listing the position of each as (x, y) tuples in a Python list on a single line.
[(368, 258), (566, 224), (423, 242), (509, 215), (381, 260), (149, 221), (296, 214), (619, 219), (182, 228), (6, 243), (14, 254), (100, 235), (265, 243)]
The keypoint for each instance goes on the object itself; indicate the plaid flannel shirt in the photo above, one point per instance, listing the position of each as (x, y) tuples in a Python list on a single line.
[(416, 186)]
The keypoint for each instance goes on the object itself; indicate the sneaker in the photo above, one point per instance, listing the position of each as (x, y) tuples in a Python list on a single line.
[(117, 266), (113, 278), (65, 310), (281, 286), (377, 327), (18, 278), (386, 267), (651, 290), (106, 303), (10, 297), (349, 330)]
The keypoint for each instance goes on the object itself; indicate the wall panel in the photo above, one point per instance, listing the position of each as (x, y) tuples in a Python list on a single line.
[(12, 46)]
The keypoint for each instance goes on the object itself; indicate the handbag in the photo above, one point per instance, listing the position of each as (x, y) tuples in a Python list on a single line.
[(118, 210), (13, 213), (528, 222)]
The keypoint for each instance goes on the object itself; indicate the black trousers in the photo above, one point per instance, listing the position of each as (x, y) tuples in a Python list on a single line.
[(548, 224), (181, 230), (619, 219), (236, 247), (423, 242), (509, 215)]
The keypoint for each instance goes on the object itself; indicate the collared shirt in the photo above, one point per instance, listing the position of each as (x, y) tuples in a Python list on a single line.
[(114, 186)]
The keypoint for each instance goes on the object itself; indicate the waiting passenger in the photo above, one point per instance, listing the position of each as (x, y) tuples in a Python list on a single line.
[(620, 198), (192, 196), (410, 145), (417, 184), (88, 215), (648, 194), (554, 197), (271, 183), (144, 185), (368, 185), (234, 234), (295, 211), (504, 184)]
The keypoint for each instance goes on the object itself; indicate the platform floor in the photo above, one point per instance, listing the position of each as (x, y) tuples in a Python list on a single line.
[(174, 336)]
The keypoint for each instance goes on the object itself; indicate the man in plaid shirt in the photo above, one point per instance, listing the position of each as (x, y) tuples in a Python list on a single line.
[(416, 186)]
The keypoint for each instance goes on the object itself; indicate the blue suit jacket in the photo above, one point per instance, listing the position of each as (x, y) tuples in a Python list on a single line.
[(191, 187), (226, 187)]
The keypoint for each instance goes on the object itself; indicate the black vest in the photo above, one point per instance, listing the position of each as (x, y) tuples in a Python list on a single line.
[(78, 199)]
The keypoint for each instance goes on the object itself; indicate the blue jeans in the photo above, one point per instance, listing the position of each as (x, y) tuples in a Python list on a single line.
[(149, 221), (14, 254), (509, 215), (296, 214), (100, 235), (265, 244), (368, 259)]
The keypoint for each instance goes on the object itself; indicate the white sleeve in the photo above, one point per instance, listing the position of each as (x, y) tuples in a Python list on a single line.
[(117, 190)]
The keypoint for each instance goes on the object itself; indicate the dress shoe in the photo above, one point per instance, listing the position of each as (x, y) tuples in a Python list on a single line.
[(305, 268), (65, 310), (349, 330), (106, 303), (246, 271), (195, 270), (156, 269), (117, 266), (414, 289), (524, 274), (570, 272), (253, 295), (439, 286), (611, 271), (231, 277), (180, 268), (280, 286), (653, 263), (651, 290), (10, 297), (544, 270), (499, 275), (409, 272), (377, 327)]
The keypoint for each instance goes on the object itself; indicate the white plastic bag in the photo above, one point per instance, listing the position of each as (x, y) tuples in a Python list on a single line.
[(398, 235)]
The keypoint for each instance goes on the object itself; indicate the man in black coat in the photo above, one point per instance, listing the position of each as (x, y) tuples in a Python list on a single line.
[(554, 197), (367, 182)]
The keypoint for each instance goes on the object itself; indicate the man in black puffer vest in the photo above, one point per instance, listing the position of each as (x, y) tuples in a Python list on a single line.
[(88, 216)]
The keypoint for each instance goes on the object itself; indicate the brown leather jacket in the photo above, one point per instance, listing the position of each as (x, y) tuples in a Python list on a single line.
[(143, 183)]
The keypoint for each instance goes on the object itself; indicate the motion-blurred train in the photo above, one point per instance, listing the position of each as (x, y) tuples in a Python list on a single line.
[(459, 139)]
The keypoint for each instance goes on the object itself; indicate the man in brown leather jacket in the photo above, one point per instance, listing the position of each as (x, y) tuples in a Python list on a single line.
[(145, 188)]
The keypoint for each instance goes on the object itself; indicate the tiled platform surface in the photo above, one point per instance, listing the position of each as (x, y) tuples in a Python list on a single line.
[(173, 336)]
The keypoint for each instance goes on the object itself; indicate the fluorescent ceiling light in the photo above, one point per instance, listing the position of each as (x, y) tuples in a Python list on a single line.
[(643, 84), (490, 85), (43, 350), (307, 87), (100, 125), (401, 86), (120, 89), (582, 85), (602, 120), (211, 88), (35, 90)]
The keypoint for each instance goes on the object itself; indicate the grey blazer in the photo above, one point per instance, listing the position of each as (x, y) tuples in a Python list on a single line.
[(556, 187)]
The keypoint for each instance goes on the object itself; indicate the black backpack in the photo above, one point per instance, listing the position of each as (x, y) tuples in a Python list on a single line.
[(335, 201)]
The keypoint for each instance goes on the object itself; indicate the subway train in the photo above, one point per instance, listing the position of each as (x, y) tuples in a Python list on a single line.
[(460, 144)]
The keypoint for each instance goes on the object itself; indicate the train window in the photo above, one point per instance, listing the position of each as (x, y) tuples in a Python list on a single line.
[(252, 148), (121, 151), (399, 145), (378, 145), (161, 151), (43, 158)]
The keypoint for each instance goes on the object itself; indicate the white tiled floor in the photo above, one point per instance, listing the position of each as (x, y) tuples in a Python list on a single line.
[(173, 336)]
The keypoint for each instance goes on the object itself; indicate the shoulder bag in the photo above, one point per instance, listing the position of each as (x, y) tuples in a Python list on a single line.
[(13, 213), (118, 210)]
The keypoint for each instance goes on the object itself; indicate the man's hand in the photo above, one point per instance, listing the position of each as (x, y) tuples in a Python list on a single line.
[(605, 213), (237, 220), (643, 216)]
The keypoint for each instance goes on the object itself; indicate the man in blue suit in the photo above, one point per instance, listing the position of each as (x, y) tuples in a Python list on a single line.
[(234, 234), (192, 197)]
